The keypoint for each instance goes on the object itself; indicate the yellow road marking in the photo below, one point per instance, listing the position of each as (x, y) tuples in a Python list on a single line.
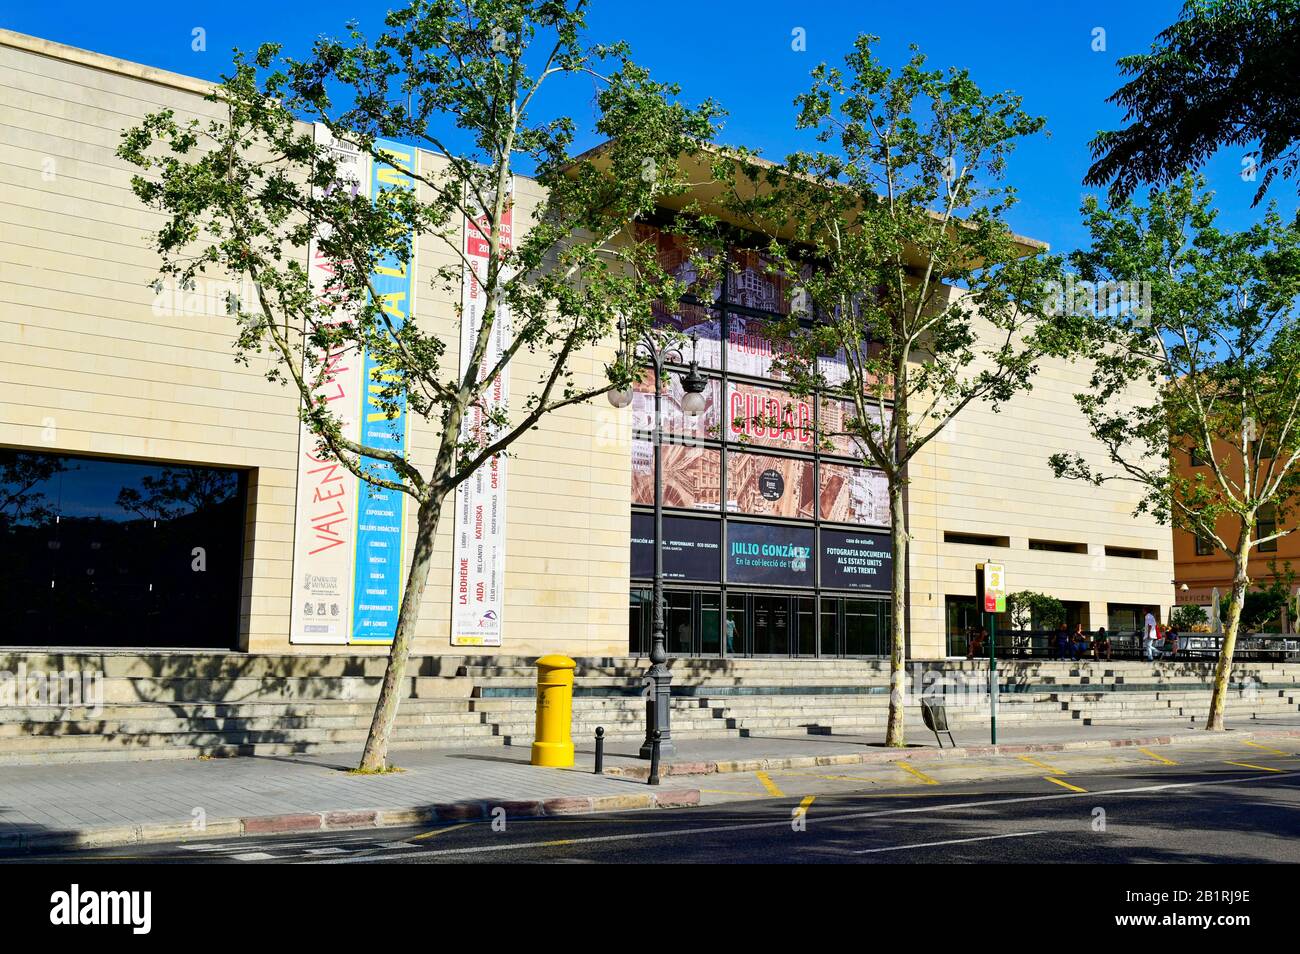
[(556, 844), (1158, 758), (1041, 765), (1265, 747), (770, 785), (1262, 768), (439, 831), (1063, 784), (910, 770), (803, 805)]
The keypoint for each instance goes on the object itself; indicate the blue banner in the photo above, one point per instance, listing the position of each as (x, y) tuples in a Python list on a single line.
[(377, 587)]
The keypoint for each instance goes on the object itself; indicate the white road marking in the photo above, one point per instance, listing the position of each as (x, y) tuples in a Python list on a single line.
[(955, 841), (327, 851), (848, 816), (253, 856)]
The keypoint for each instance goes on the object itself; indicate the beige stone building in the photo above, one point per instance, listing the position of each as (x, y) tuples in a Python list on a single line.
[(128, 433)]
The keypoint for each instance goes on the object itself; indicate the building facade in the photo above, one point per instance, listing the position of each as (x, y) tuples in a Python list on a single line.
[(151, 488), (1200, 567)]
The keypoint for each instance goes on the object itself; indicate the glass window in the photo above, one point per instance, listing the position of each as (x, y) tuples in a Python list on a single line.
[(1266, 526), (861, 628), (964, 618), (679, 623), (807, 628), (639, 613), (1204, 545), (771, 625), (830, 627), (710, 623), (737, 632), (98, 552)]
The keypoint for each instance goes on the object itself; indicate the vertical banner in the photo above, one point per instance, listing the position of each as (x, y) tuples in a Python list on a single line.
[(380, 511), (326, 506), (478, 580)]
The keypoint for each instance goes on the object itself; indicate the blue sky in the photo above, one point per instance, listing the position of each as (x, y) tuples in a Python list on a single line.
[(740, 53)]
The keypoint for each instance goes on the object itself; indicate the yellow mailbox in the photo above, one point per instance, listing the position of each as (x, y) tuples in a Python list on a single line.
[(553, 739)]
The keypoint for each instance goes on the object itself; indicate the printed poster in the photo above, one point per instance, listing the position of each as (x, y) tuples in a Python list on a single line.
[(478, 558)]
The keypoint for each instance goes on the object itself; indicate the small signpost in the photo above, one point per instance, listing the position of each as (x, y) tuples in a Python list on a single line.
[(991, 591)]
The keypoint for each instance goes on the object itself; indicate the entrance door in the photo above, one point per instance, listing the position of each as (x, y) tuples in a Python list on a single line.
[(771, 625)]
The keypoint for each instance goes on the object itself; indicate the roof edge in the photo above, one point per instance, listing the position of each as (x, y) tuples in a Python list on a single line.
[(101, 61)]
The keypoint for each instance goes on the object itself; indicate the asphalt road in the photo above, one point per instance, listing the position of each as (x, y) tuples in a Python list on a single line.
[(1198, 808)]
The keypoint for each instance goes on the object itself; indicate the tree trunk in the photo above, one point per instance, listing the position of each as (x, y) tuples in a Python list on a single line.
[(1223, 671), (894, 732), (375, 756)]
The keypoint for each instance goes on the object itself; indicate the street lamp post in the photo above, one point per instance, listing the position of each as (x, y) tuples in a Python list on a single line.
[(693, 403)]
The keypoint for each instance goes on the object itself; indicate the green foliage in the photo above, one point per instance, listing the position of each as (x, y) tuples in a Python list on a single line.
[(242, 195), (903, 203), (1262, 607), (1210, 366), (1186, 616), (1028, 608), (1223, 75)]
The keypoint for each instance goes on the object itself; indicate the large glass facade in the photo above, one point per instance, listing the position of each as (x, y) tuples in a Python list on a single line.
[(107, 553), (776, 542)]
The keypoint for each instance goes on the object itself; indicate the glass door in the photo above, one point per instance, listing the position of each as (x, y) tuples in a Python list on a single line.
[(771, 625)]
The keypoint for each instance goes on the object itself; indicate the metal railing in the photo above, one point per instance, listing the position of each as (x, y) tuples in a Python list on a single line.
[(1034, 644)]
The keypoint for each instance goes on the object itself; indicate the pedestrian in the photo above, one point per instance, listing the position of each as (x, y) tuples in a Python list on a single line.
[(1101, 644), (974, 642), (1150, 631), (1171, 642), (1062, 643), (1080, 642)]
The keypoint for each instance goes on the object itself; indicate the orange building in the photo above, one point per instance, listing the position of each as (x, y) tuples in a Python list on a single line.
[(1200, 566)]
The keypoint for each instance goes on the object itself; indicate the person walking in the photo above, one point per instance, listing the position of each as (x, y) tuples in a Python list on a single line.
[(1149, 633)]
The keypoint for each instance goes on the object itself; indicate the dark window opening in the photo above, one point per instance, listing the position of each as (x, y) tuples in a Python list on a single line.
[(976, 539), (1266, 526), (115, 553), (1132, 553), (1058, 546)]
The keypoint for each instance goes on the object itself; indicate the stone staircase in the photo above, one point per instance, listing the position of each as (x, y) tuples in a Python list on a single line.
[(189, 704)]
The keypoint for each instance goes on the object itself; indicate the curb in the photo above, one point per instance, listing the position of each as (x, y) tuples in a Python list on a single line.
[(927, 754), (349, 820)]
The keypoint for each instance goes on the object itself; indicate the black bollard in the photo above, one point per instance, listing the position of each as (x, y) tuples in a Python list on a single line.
[(600, 750), (654, 759)]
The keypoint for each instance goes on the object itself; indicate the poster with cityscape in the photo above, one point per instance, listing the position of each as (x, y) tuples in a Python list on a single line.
[(769, 486), (674, 421), (835, 421), (694, 316), (769, 417), (853, 495), (692, 475)]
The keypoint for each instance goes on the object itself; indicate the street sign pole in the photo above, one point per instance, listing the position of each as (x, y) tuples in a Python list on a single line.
[(993, 676), (991, 591)]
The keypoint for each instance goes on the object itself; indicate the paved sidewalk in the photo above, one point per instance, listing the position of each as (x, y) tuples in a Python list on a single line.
[(117, 803)]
